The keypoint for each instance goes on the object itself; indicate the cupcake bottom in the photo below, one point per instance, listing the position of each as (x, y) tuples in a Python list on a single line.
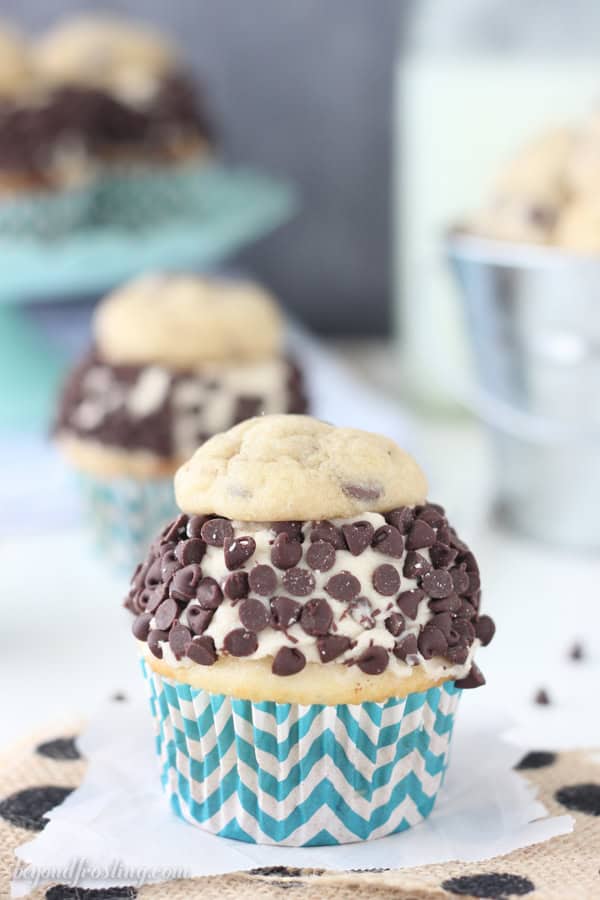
[(124, 515), (300, 775)]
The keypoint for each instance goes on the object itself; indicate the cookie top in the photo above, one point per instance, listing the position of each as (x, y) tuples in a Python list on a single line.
[(185, 320), (276, 468), (105, 52)]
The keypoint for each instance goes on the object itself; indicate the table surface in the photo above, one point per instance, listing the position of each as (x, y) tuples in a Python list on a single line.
[(65, 641)]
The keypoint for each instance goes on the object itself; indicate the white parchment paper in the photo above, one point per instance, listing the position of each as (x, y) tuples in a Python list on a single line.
[(117, 828)]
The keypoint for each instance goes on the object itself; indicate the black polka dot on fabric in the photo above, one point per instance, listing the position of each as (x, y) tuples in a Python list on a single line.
[(584, 798), (62, 748), (493, 885), (28, 808), (536, 759), (68, 892), (283, 871)]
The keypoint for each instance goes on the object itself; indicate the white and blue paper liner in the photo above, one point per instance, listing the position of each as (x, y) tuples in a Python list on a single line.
[(283, 773), (124, 515)]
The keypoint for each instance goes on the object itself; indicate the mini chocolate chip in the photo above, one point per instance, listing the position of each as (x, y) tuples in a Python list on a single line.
[(474, 583), (198, 618), (185, 581), (442, 556), (332, 645), (473, 679), (194, 526), (285, 612), (433, 514), (455, 541), (292, 529), (437, 584), (485, 629), (191, 551), (285, 552), (362, 491), (536, 759), (165, 614), (175, 530), (141, 626), (415, 565), (388, 540), (583, 798), (209, 594), (236, 586), (358, 536), (432, 642), (240, 642), (263, 580), (299, 582), (466, 611), (247, 408), (374, 660), (316, 617), (67, 892), (327, 531), (202, 650), (153, 574), (395, 624), (492, 885), (542, 698), (401, 518), (460, 579), (451, 604), (216, 531), (254, 615), (27, 808), (576, 652), (320, 556), (443, 621), (457, 653), (179, 638), (343, 586), (420, 535), (62, 748), (288, 661), (238, 551), (155, 638), (406, 649), (464, 629), (469, 561), (169, 564), (408, 602), (386, 580)]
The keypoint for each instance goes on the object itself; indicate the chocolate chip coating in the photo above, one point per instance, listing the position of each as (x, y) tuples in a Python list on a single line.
[(299, 582), (263, 580), (373, 661), (316, 617), (254, 615), (216, 531), (165, 614), (389, 541), (202, 651), (286, 552), (285, 612), (236, 586), (330, 646), (320, 556), (386, 580), (208, 593), (358, 536), (238, 550)]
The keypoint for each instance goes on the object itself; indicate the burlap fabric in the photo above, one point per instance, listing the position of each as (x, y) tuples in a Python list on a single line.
[(565, 867)]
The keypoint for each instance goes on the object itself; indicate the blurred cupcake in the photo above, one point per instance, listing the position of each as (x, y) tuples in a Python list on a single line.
[(44, 169), (176, 358), (306, 625), (143, 104)]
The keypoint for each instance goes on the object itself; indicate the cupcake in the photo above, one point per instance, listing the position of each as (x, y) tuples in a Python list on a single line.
[(143, 105), (306, 624), (175, 359), (44, 171)]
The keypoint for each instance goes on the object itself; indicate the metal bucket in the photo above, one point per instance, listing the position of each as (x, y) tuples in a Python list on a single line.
[(533, 320)]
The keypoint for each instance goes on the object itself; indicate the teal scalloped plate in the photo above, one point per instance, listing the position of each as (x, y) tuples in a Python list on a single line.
[(216, 211)]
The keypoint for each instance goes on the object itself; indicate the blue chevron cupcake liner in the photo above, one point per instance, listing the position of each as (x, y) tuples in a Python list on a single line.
[(124, 515), (283, 773)]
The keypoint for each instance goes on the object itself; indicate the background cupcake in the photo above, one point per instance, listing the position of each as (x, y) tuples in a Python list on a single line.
[(306, 625), (44, 169), (176, 358)]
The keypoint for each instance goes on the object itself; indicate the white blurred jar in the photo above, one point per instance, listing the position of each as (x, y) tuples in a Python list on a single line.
[(477, 79)]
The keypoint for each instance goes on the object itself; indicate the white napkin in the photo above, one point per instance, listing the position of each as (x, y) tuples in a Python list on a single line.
[(117, 828)]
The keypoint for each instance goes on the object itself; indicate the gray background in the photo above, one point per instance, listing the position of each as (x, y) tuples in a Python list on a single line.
[(303, 89)]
